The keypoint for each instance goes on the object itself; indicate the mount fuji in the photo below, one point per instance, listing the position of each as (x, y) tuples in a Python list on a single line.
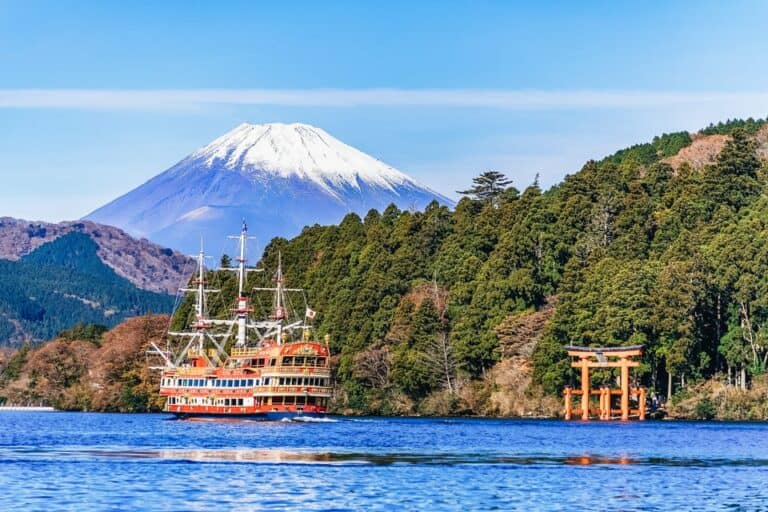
[(278, 177)]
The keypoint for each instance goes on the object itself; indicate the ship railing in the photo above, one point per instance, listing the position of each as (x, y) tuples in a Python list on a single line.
[(193, 371), (244, 351), (299, 370), (272, 390)]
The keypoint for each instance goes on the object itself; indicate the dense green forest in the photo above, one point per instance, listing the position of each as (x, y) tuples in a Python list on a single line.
[(64, 282), (626, 251)]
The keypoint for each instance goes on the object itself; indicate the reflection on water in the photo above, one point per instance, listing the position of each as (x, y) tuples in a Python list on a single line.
[(277, 456), (118, 462)]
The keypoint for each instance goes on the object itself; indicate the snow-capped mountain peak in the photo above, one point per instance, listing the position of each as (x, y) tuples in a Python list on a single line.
[(279, 177), (299, 150)]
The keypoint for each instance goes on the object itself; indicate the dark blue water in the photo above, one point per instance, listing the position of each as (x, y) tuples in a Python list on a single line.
[(72, 461)]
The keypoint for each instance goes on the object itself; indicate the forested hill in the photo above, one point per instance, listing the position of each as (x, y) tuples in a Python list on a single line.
[(662, 244), (62, 283)]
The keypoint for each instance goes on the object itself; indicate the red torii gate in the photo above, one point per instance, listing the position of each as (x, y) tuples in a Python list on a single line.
[(606, 357)]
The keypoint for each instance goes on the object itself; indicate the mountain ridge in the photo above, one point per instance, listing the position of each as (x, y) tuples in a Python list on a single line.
[(64, 282), (145, 264)]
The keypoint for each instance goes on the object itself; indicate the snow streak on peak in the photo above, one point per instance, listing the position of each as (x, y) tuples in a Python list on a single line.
[(299, 150)]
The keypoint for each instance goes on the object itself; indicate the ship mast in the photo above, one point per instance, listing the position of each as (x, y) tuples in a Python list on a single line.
[(242, 309), (202, 323), (279, 313)]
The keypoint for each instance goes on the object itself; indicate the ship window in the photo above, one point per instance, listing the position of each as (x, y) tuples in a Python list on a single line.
[(289, 400), (257, 382), (299, 361), (250, 382), (266, 381), (299, 400), (287, 361), (239, 401), (278, 400), (229, 383), (272, 362), (310, 400), (320, 361), (243, 383), (237, 383)]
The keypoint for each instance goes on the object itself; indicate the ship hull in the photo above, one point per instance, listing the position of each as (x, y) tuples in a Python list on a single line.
[(262, 416)]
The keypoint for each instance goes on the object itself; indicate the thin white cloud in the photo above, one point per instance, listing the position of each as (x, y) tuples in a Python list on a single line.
[(164, 99)]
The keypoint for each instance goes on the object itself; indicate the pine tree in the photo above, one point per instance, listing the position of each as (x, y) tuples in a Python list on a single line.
[(488, 187)]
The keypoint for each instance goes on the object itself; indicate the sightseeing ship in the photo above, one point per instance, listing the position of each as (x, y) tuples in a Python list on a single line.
[(241, 368)]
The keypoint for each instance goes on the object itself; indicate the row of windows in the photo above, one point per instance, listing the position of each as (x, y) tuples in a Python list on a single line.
[(303, 361), (301, 381), (243, 383), (212, 383), (289, 361), (297, 400)]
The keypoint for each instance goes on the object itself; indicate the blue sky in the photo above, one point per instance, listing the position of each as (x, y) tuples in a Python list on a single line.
[(96, 98)]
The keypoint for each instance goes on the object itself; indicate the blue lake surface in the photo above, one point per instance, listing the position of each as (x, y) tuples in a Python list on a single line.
[(82, 461)]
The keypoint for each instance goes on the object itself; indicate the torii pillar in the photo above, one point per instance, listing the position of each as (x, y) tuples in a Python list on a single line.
[(585, 389)]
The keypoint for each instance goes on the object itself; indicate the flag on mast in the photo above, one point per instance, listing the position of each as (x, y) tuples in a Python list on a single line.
[(310, 313)]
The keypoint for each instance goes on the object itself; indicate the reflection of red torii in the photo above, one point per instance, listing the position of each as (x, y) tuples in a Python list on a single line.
[(614, 357)]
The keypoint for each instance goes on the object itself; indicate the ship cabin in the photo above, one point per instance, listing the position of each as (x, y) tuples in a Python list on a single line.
[(288, 378)]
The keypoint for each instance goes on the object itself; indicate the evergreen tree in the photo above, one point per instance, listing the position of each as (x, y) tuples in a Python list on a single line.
[(488, 187)]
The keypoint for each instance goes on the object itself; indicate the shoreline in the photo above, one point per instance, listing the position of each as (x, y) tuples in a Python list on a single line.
[(31, 408)]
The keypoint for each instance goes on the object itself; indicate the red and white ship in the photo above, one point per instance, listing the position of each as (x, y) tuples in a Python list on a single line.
[(238, 367)]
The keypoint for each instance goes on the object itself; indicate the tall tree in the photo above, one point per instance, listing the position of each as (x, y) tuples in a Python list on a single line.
[(488, 186)]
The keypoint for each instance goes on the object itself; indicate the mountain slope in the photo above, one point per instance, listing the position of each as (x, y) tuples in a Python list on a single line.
[(278, 177), (64, 282), (146, 265)]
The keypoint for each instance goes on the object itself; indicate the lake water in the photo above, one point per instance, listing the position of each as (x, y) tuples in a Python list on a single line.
[(81, 461)]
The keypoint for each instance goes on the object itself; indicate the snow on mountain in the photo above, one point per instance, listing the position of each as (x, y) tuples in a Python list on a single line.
[(279, 177)]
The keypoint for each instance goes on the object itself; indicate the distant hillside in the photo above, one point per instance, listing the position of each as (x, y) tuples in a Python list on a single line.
[(146, 265), (107, 372), (64, 282)]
